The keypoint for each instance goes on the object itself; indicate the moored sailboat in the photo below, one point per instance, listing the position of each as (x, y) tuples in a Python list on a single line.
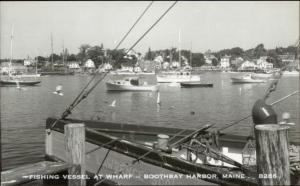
[(12, 79)]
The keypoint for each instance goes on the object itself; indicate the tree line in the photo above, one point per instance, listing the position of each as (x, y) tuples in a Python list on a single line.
[(117, 57)]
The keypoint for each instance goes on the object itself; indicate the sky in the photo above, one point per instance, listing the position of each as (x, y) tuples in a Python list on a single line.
[(202, 25)]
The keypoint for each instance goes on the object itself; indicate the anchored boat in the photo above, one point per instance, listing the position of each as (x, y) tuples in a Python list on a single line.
[(129, 84), (17, 82), (247, 79), (192, 84)]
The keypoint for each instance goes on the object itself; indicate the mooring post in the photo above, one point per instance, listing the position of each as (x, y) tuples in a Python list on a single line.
[(272, 153), (75, 153)]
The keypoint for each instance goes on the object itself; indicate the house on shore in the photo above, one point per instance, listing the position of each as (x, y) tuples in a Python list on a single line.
[(15, 68), (248, 65), (225, 62), (263, 64)]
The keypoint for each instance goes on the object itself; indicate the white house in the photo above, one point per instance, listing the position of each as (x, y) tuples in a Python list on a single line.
[(158, 61), (89, 64), (73, 65), (248, 65), (225, 62), (175, 64), (15, 68), (28, 62), (262, 63)]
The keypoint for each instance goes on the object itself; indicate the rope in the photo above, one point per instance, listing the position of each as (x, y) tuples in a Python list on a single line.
[(149, 5), (152, 26), (102, 164), (100, 146)]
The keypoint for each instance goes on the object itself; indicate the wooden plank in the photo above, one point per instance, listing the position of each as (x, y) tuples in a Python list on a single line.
[(25, 173), (272, 154), (75, 152)]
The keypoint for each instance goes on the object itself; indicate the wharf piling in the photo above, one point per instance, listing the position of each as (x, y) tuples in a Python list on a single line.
[(75, 152), (272, 154)]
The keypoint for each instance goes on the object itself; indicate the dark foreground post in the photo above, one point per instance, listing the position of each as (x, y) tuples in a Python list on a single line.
[(75, 153), (272, 151)]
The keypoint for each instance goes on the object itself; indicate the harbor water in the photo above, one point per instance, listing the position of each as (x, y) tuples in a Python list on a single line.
[(24, 112)]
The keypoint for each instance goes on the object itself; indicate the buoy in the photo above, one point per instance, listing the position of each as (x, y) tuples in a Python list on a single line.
[(192, 113), (158, 99)]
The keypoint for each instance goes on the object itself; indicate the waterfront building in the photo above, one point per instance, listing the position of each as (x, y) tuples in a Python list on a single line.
[(29, 62), (89, 64), (262, 63), (225, 62), (158, 61), (287, 58), (237, 62), (16, 68), (74, 66), (208, 57), (248, 65)]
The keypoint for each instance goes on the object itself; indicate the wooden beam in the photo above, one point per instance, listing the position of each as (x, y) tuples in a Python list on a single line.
[(75, 153), (272, 154)]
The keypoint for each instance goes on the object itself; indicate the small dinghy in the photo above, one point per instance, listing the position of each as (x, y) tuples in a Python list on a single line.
[(192, 84)]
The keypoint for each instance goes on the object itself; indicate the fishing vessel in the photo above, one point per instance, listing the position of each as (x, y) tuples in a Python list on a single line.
[(144, 150), (248, 78), (17, 82), (129, 84), (263, 74), (130, 72)]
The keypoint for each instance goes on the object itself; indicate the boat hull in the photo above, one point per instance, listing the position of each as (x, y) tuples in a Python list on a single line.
[(29, 75), (262, 75), (239, 80), (195, 84), (131, 73), (127, 149), (24, 83), (116, 87), (287, 73)]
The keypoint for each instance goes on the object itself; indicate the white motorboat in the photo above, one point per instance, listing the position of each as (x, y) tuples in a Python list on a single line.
[(262, 75), (247, 79), (177, 77), (130, 84), (29, 75), (290, 73)]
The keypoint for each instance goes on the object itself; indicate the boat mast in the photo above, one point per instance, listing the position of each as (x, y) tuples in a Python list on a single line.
[(51, 51), (179, 48), (63, 54), (191, 55), (11, 51)]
